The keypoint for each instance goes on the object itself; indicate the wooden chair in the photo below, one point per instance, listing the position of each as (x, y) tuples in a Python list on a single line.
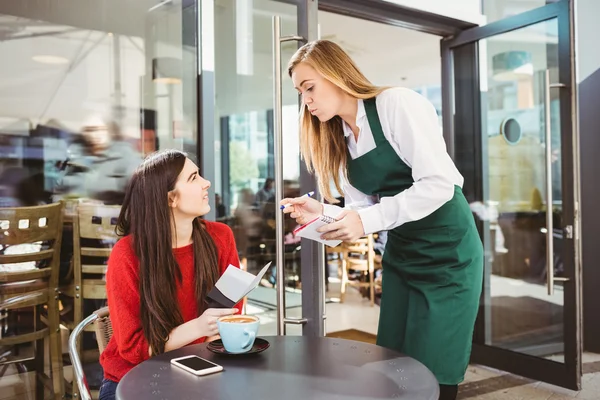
[(96, 223), (359, 256), (103, 328), (29, 278), (93, 238)]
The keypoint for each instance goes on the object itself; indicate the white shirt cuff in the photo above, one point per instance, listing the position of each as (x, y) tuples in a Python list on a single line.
[(372, 219)]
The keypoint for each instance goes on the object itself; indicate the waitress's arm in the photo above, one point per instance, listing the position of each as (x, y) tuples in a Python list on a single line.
[(410, 124)]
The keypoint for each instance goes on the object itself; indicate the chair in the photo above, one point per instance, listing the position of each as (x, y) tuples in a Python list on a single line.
[(359, 256), (93, 238), (103, 328), (95, 224), (30, 239)]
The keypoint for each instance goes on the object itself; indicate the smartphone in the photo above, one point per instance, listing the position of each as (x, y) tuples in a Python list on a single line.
[(196, 365)]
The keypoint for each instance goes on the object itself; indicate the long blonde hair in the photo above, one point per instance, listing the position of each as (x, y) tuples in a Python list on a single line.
[(322, 144)]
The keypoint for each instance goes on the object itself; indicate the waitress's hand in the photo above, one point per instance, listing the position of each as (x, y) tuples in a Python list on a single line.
[(348, 228), (302, 209)]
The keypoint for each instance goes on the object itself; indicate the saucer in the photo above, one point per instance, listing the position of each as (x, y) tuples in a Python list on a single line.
[(259, 346)]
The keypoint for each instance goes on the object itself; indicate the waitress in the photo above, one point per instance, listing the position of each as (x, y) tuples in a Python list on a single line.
[(382, 147)]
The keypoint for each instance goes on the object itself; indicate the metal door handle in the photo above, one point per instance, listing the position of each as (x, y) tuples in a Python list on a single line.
[(278, 144), (549, 209)]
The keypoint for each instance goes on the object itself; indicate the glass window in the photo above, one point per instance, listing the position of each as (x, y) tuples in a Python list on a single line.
[(87, 90)]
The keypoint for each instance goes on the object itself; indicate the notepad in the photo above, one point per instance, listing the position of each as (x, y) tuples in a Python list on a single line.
[(233, 285), (309, 230)]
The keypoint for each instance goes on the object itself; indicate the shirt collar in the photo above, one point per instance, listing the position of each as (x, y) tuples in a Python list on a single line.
[(360, 114)]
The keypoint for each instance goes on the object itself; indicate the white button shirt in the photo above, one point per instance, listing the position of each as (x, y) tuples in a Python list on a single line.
[(410, 124)]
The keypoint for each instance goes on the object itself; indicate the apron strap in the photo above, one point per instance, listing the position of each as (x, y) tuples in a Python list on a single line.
[(374, 123)]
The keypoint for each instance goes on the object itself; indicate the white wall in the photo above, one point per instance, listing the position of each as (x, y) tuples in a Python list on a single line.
[(587, 51)]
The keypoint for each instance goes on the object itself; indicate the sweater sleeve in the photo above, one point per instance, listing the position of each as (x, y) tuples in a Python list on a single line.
[(123, 296)]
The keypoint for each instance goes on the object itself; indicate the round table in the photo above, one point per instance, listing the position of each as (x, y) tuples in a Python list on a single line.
[(293, 367)]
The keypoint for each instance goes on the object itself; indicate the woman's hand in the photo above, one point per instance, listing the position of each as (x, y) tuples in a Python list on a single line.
[(203, 326), (302, 209), (348, 228), (207, 322)]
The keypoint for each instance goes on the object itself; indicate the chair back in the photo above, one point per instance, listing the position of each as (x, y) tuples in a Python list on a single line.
[(103, 328), (97, 221), (94, 236), (30, 241), (360, 254)]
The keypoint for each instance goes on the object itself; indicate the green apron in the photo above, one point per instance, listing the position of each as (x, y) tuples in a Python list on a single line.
[(432, 268)]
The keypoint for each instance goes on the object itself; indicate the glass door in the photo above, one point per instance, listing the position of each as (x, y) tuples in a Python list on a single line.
[(251, 147), (512, 97)]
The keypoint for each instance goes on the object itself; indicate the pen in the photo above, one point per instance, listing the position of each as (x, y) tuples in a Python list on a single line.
[(309, 194)]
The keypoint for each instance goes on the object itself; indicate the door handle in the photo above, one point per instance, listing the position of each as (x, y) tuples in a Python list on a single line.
[(550, 279), (278, 147)]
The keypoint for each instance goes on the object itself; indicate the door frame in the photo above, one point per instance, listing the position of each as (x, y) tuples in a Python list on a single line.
[(312, 254), (462, 119), (461, 114)]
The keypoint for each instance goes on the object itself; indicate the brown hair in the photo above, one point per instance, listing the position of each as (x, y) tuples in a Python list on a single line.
[(146, 215), (322, 144)]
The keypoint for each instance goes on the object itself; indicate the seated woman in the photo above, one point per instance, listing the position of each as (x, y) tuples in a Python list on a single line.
[(160, 272)]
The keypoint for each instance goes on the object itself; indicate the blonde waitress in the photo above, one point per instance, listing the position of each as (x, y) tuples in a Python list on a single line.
[(383, 146)]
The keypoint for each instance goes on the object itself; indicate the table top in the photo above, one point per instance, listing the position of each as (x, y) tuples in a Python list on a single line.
[(293, 367)]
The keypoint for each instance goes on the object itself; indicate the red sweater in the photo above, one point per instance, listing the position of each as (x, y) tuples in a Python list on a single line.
[(128, 347)]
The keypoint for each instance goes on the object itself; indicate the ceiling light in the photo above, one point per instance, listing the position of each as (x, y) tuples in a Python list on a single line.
[(47, 59)]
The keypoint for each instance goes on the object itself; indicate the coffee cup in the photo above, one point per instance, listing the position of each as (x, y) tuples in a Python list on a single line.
[(238, 332)]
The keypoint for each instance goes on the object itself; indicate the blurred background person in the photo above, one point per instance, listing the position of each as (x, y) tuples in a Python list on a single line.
[(264, 195), (219, 206), (99, 164)]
